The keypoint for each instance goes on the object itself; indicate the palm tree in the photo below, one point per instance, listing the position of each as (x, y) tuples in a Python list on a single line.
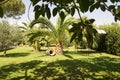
[(34, 34), (84, 31), (56, 32)]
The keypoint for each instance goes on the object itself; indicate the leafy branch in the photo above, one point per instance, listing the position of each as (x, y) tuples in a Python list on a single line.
[(77, 11)]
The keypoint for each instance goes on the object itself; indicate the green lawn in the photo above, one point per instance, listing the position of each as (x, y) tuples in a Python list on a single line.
[(23, 63)]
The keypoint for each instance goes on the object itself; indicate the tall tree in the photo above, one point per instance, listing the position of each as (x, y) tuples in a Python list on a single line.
[(34, 34), (8, 35), (12, 8), (56, 32)]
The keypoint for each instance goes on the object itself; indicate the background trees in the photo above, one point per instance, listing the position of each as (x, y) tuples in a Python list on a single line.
[(35, 34), (9, 36), (11, 8), (112, 39)]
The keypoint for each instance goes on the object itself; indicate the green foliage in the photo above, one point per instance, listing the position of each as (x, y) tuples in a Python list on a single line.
[(5, 35), (57, 32), (70, 6), (9, 35), (35, 34), (111, 7), (84, 4), (55, 11), (62, 7), (17, 35), (84, 31), (1, 12), (12, 8), (113, 39)]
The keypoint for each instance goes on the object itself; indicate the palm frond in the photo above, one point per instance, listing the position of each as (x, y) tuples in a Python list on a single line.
[(22, 27), (25, 24), (58, 22), (48, 24), (68, 22), (43, 20), (36, 34)]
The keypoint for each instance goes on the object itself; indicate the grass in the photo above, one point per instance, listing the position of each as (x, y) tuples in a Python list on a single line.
[(23, 63)]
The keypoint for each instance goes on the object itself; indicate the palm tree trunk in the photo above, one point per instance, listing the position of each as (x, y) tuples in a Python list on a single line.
[(58, 49), (37, 46)]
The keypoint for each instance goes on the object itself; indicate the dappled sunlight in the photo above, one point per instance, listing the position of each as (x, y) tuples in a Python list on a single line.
[(70, 66), (33, 47), (76, 69), (64, 69), (18, 69)]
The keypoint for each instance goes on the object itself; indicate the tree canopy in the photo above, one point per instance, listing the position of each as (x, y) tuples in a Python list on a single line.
[(70, 6), (42, 7), (9, 35), (11, 8)]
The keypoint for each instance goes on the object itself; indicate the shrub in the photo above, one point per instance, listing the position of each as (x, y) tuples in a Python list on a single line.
[(113, 39)]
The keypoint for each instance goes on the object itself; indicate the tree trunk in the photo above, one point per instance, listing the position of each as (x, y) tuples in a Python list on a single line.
[(58, 49), (37, 46), (4, 52)]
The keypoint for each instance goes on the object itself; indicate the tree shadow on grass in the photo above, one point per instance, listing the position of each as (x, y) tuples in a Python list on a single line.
[(87, 52), (22, 68), (97, 69), (67, 55), (22, 54), (82, 52)]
